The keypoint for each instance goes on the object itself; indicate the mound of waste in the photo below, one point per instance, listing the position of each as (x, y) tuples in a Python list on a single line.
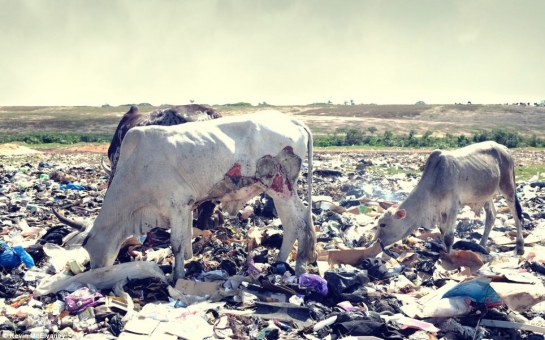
[(233, 289)]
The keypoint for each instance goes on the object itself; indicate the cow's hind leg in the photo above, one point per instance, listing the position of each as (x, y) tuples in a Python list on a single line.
[(180, 240), (294, 215), (490, 212)]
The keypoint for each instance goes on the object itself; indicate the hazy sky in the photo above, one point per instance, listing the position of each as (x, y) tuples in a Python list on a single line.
[(282, 52)]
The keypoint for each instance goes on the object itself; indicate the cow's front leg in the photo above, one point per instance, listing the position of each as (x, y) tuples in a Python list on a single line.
[(180, 240), (188, 248), (490, 215), (448, 221)]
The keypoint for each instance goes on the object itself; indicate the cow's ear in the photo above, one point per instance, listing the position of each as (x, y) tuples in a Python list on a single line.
[(401, 214)]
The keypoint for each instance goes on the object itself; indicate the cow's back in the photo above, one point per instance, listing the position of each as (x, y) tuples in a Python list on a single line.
[(211, 148), (470, 174), (175, 115)]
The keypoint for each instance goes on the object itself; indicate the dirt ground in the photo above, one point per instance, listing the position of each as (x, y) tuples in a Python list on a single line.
[(522, 156), (16, 149)]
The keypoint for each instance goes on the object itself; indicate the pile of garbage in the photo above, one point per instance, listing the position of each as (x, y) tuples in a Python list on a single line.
[(233, 287)]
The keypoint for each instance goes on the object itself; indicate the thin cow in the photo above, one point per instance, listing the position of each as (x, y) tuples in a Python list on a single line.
[(174, 115), (471, 176), (164, 171)]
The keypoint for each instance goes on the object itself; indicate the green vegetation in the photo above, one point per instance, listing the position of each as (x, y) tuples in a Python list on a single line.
[(238, 104), (524, 173), (355, 137), (341, 137), (60, 138)]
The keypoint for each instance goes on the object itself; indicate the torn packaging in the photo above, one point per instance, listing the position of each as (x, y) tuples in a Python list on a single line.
[(230, 159)]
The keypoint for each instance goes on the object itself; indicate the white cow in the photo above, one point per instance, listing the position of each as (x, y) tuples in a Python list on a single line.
[(470, 176), (165, 171)]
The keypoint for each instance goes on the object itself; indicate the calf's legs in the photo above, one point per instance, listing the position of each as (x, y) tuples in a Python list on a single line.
[(490, 213)]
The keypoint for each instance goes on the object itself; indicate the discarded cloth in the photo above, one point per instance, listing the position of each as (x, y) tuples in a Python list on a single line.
[(81, 299)]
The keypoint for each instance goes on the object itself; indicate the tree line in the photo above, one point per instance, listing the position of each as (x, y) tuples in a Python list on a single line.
[(356, 137), (340, 137)]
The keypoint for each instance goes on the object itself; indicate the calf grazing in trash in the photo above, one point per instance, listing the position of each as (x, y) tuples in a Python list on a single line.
[(165, 171), (470, 176)]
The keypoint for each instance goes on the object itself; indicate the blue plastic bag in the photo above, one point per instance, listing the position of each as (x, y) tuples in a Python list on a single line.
[(24, 256), (72, 186), (477, 289), (12, 257)]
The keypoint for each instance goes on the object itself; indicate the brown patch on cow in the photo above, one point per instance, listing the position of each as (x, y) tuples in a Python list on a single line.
[(281, 184), (279, 173), (234, 171), (229, 184)]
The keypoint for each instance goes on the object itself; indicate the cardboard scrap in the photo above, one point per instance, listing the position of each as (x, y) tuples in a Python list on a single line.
[(461, 258), (203, 289), (353, 256), (192, 327), (141, 326), (519, 297), (198, 232)]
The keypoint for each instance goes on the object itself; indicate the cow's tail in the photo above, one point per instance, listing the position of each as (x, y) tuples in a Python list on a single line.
[(309, 246), (518, 207)]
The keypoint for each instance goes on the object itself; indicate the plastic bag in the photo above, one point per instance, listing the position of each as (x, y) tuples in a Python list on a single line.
[(72, 186), (12, 257), (315, 282), (24, 256), (478, 290), (450, 307), (81, 299), (347, 285)]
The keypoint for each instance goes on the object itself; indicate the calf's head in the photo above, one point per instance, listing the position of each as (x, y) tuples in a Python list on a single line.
[(392, 226)]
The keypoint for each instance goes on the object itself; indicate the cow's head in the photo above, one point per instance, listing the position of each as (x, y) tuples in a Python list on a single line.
[(391, 226), (92, 240)]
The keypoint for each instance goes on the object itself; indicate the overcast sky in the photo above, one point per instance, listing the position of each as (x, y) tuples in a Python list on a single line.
[(282, 52)]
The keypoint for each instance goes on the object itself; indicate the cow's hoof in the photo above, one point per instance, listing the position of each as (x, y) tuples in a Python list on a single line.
[(174, 278), (520, 248)]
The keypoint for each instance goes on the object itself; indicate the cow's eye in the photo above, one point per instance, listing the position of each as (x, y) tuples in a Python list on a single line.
[(382, 225)]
